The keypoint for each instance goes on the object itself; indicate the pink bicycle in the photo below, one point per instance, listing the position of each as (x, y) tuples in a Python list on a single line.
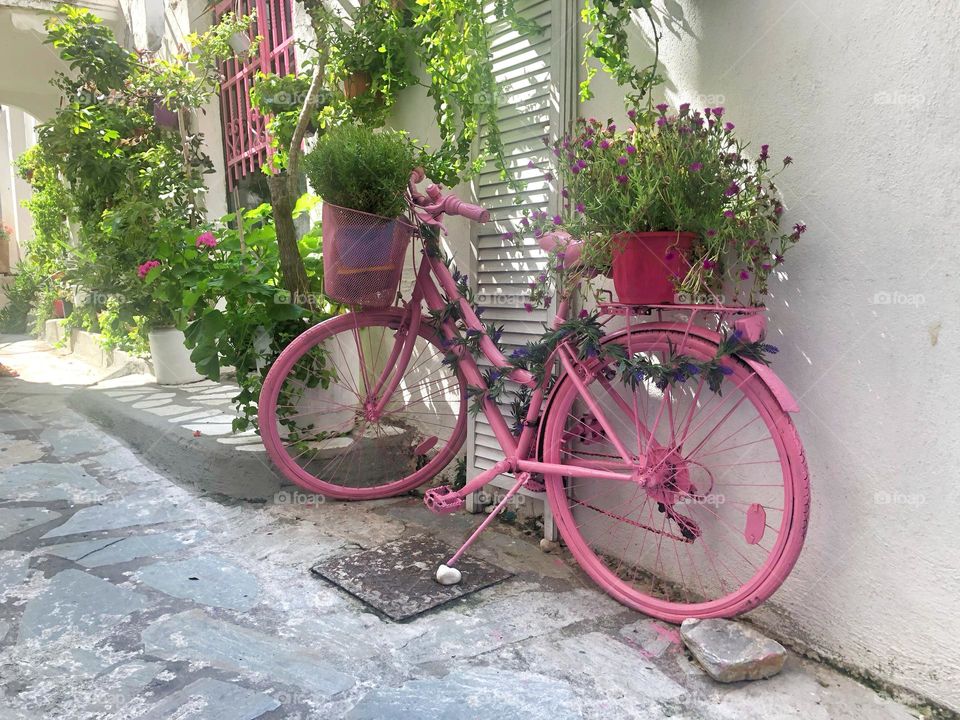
[(662, 439)]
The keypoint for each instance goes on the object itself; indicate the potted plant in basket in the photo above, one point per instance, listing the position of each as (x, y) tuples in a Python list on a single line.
[(672, 207), (362, 177)]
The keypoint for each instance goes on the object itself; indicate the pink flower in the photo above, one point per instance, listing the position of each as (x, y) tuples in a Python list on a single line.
[(696, 166), (728, 213), (528, 307), (622, 160), (744, 275), (604, 144), (709, 264), (206, 239), (728, 126), (147, 267)]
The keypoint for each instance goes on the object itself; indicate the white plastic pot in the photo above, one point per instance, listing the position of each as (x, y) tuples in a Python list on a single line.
[(171, 359)]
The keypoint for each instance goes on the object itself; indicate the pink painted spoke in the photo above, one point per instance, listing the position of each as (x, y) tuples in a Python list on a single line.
[(733, 447)]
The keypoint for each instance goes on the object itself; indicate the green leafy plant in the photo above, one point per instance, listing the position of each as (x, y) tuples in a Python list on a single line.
[(355, 167), (238, 313), (682, 171), (606, 41)]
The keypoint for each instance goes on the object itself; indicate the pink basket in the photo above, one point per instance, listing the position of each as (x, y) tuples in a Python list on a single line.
[(362, 256)]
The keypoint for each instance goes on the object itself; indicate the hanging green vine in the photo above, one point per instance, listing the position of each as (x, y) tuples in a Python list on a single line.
[(606, 41)]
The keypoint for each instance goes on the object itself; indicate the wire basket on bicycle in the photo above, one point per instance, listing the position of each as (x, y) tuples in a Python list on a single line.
[(362, 256)]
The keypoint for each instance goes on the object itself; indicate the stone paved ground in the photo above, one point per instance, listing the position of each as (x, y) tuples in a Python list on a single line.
[(127, 594)]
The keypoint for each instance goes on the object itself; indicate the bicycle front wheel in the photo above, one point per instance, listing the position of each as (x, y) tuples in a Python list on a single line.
[(715, 513), (323, 421)]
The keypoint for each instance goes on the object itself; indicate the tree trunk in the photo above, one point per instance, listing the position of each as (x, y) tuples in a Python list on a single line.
[(291, 264)]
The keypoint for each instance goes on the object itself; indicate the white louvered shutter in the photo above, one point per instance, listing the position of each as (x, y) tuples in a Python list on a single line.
[(526, 69)]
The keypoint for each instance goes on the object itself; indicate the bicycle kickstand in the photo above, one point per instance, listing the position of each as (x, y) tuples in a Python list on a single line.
[(447, 574)]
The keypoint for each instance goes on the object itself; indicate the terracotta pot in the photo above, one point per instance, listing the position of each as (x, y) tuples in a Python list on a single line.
[(646, 265), (356, 84)]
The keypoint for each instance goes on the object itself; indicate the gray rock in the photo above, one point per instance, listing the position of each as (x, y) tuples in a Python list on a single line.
[(12, 421), (69, 442), (131, 548), (731, 651), (14, 569), (76, 601), (209, 579), (208, 699)]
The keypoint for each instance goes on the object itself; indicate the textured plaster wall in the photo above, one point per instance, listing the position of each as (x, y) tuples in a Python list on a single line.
[(864, 96)]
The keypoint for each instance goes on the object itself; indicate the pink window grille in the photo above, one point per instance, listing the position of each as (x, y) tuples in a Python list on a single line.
[(245, 140)]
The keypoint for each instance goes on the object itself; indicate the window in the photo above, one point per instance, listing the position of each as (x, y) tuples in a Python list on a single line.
[(245, 141)]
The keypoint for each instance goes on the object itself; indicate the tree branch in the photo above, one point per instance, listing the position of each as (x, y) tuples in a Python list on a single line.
[(306, 113)]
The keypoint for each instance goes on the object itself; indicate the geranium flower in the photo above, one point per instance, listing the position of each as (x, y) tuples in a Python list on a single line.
[(206, 239), (149, 265)]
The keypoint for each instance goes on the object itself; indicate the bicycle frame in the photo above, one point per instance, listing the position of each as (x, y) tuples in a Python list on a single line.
[(519, 452)]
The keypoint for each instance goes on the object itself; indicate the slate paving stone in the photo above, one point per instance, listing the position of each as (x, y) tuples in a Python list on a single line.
[(208, 699), (195, 636), (76, 550), (473, 694), (14, 451), (14, 421), (77, 601), (14, 569), (144, 508), (16, 520), (398, 577), (70, 442), (132, 548), (208, 579), (48, 482)]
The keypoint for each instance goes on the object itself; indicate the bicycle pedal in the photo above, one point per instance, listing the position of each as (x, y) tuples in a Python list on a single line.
[(442, 500)]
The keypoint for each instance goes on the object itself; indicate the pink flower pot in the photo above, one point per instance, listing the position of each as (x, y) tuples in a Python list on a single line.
[(646, 265)]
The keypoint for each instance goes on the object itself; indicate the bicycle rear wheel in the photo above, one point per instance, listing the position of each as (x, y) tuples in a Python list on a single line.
[(317, 411), (715, 515)]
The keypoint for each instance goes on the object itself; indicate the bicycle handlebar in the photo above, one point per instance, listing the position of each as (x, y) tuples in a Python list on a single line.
[(434, 203)]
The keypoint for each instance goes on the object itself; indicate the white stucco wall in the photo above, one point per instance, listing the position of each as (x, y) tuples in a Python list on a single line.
[(864, 97)]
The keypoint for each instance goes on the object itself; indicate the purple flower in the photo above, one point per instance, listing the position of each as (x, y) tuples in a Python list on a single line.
[(622, 160), (787, 160), (583, 314), (525, 222), (711, 233), (611, 128), (557, 220), (799, 228), (574, 169), (661, 121), (588, 143), (508, 235), (709, 264), (764, 152), (528, 307), (531, 164), (696, 166), (622, 179), (631, 150), (728, 213), (732, 189), (565, 193), (581, 163), (684, 107), (718, 111), (206, 239), (604, 144), (728, 126), (556, 152), (662, 108), (581, 208), (744, 275), (632, 114), (548, 176)]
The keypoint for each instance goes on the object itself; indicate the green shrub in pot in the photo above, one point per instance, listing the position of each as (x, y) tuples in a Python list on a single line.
[(357, 168)]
